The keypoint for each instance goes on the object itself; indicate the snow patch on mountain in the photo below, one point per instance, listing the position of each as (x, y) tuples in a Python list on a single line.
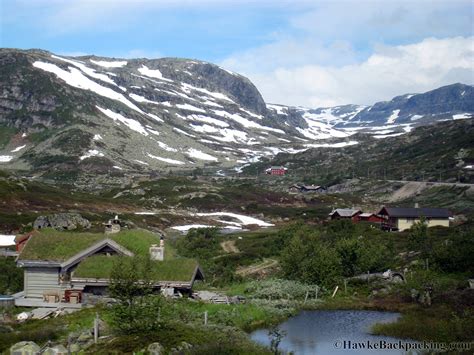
[(91, 153), (393, 116), (17, 149), (166, 160), (190, 108), (152, 73), (5, 158), (107, 64), (130, 123), (245, 122), (197, 154), (462, 116), (279, 109), (88, 71), (75, 78), (207, 119)]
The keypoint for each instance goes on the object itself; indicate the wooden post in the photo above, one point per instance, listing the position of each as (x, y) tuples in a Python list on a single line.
[(317, 290), (96, 328), (205, 318), (306, 297), (335, 291)]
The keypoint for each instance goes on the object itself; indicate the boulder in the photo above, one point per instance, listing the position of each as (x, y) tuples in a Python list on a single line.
[(55, 350), (62, 221), (25, 348), (156, 349)]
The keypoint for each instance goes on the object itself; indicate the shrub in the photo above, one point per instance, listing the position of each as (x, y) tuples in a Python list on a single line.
[(137, 309)]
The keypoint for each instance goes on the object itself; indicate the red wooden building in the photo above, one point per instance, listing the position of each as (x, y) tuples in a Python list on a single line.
[(276, 170), (369, 217)]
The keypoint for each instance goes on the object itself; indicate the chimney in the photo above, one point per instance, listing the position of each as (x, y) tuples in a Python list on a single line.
[(157, 253)]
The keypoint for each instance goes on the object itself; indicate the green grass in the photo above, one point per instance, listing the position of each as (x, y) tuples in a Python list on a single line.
[(50, 244), (436, 324), (101, 266)]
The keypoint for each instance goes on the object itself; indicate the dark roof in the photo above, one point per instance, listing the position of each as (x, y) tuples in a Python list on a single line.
[(311, 187), (345, 212), (415, 212)]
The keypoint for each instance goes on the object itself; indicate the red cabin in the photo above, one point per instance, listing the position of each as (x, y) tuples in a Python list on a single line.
[(276, 170)]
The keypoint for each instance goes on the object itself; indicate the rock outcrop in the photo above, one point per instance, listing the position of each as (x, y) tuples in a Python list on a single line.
[(62, 221)]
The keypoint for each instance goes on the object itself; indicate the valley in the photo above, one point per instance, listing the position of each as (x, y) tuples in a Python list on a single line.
[(175, 156)]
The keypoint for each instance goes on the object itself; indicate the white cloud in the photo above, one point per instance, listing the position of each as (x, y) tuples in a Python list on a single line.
[(387, 72)]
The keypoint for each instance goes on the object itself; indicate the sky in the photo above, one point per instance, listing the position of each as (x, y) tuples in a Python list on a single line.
[(303, 53)]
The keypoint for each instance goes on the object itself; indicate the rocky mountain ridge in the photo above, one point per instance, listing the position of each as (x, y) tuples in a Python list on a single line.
[(72, 115)]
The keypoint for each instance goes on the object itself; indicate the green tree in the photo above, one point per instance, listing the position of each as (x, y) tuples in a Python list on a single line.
[(137, 309), (418, 237), (11, 276), (310, 260)]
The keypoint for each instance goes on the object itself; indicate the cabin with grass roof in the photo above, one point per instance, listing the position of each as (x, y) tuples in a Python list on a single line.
[(64, 269)]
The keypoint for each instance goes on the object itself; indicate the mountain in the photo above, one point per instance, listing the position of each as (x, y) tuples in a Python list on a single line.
[(438, 152), (67, 117)]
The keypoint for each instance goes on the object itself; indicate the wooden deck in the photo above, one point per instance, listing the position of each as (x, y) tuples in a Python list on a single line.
[(39, 303)]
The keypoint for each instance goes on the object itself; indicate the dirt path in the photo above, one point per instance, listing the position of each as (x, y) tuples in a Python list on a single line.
[(257, 268), (230, 247), (412, 188), (407, 190)]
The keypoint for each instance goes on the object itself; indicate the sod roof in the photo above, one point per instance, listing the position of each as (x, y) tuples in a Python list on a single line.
[(100, 267), (53, 245), (59, 246)]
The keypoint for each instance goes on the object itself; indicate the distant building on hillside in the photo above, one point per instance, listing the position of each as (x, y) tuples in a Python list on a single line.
[(402, 218), (276, 170), (345, 213), (307, 188)]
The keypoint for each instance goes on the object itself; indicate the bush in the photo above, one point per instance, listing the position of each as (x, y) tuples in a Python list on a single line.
[(11, 277), (310, 260), (456, 254), (137, 310)]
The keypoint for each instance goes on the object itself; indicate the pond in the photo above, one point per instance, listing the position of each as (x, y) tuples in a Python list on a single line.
[(333, 332)]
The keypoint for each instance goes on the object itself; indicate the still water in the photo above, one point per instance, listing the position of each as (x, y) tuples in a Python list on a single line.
[(328, 332)]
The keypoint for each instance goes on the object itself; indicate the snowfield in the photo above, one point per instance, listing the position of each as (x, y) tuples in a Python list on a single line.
[(75, 78), (244, 220), (106, 64), (197, 154), (165, 160), (130, 123), (393, 117), (5, 158), (152, 73)]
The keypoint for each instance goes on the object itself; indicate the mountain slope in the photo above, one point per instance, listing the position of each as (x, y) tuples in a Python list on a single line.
[(66, 117), (439, 152)]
